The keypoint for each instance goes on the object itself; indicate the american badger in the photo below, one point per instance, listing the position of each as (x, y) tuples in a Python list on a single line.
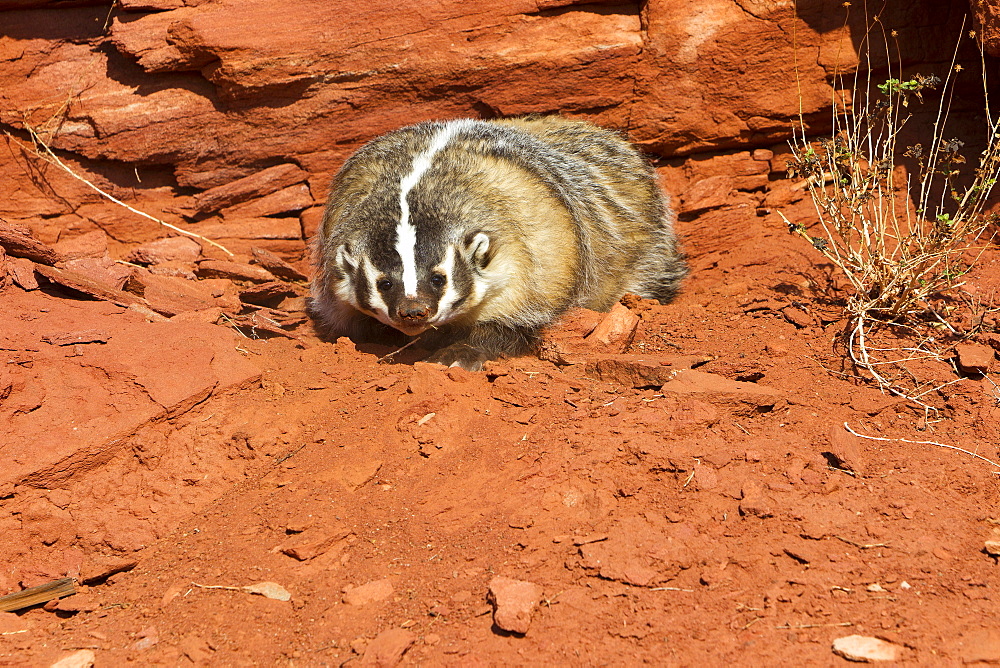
[(475, 235)]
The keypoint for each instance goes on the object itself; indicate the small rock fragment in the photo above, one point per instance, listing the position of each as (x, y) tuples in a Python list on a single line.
[(276, 265), (267, 294), (23, 272), (973, 358), (754, 501), (170, 249), (96, 568), (257, 184), (845, 449), (236, 271), (73, 338), (865, 649), (103, 270), (287, 200), (83, 658), (18, 242), (146, 638), (269, 590), (90, 245), (513, 602), (377, 590), (388, 647), (992, 548), (616, 331)]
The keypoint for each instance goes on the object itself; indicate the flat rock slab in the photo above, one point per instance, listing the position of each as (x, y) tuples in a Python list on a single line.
[(865, 649), (514, 602), (73, 396)]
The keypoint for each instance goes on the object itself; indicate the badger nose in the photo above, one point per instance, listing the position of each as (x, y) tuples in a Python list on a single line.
[(411, 310)]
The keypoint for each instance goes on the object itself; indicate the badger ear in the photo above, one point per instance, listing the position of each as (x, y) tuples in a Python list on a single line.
[(346, 262), (478, 249)]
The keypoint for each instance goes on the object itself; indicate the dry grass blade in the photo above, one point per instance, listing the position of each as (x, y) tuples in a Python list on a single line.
[(900, 237), (37, 595), (46, 153), (940, 445)]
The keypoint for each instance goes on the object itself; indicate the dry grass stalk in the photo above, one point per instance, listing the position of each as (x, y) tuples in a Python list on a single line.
[(901, 238), (42, 150)]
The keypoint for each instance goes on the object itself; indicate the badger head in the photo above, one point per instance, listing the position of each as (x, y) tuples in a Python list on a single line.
[(413, 289)]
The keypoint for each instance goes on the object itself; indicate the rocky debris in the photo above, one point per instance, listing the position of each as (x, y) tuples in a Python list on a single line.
[(581, 333), (235, 271), (92, 244), (865, 649), (640, 371), (388, 648), (316, 541), (22, 272), (80, 283), (271, 590), (268, 294), (980, 647), (266, 321), (616, 331), (276, 265), (973, 358), (251, 229), (170, 295), (845, 450), (514, 603), (18, 242), (754, 501), (992, 547), (83, 658), (635, 552), (288, 200), (73, 338), (97, 568), (254, 186), (169, 249), (371, 592)]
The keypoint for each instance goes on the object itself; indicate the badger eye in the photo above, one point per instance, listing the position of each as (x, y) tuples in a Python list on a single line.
[(438, 280), (384, 285)]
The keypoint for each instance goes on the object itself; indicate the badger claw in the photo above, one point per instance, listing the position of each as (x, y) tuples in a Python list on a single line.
[(460, 355)]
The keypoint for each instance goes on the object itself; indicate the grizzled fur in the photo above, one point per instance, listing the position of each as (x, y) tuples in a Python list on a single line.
[(475, 235)]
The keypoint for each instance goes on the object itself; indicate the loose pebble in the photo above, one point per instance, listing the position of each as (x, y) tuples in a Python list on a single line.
[(865, 649)]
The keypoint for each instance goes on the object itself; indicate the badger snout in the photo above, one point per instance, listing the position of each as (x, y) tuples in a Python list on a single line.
[(413, 313)]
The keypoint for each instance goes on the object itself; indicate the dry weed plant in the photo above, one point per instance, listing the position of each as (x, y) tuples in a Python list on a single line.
[(902, 223)]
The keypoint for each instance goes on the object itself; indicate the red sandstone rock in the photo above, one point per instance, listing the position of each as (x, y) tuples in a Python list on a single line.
[(102, 270), (89, 245), (973, 357), (514, 603), (237, 271), (388, 647), (18, 242), (267, 294), (615, 332), (170, 249), (276, 265), (377, 590), (169, 295), (22, 272), (251, 228), (249, 187), (287, 200), (80, 283)]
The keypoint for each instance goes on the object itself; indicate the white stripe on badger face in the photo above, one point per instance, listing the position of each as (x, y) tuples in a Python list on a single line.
[(447, 302), (379, 308), (406, 234)]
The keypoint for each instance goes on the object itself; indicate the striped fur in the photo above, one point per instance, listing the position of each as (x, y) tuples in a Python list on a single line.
[(475, 235)]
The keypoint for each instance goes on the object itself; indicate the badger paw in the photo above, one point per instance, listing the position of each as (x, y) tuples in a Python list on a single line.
[(461, 355)]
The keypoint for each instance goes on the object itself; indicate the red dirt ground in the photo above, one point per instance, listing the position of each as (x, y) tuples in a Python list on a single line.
[(697, 523)]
